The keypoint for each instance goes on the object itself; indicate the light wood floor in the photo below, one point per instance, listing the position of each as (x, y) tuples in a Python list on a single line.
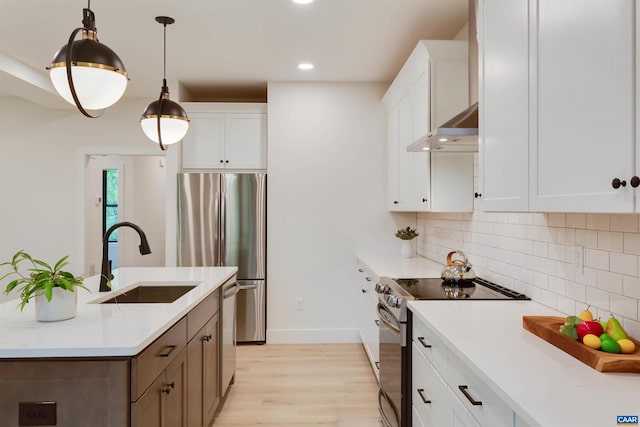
[(302, 385)]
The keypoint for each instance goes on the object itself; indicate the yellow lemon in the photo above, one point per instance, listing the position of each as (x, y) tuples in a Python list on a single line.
[(626, 346), (592, 341)]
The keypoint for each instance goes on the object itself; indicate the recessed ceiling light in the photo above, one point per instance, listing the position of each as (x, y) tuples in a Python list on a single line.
[(305, 66), (443, 140), (302, 1), (425, 148)]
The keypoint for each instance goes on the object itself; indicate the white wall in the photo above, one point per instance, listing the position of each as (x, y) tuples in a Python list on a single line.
[(326, 203), (39, 172), (533, 253)]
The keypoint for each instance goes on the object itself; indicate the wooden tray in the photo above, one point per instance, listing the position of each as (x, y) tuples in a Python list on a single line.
[(546, 327)]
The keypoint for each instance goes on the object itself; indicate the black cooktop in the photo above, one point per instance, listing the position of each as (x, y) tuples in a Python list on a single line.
[(478, 289)]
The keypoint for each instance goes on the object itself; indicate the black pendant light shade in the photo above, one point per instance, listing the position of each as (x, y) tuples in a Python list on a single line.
[(164, 121), (87, 73)]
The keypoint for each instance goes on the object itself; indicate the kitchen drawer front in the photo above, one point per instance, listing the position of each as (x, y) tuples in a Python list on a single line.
[(200, 315), (432, 347), (428, 391), (367, 274), (146, 367), (469, 388)]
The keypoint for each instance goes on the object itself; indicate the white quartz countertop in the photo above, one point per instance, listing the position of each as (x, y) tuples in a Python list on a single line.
[(543, 384), (107, 329), (401, 268)]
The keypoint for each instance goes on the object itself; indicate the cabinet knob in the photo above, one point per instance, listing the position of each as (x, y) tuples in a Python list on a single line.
[(395, 202), (616, 183), (221, 161), (226, 161), (424, 200), (364, 291), (168, 387), (206, 338), (635, 181), (477, 195)]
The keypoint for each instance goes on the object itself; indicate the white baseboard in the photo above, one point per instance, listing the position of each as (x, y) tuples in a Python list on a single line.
[(312, 336)]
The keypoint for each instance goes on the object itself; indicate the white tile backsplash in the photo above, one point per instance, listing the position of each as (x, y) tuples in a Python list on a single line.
[(533, 253)]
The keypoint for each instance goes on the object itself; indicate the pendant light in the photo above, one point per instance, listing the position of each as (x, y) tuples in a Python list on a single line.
[(87, 73), (164, 121)]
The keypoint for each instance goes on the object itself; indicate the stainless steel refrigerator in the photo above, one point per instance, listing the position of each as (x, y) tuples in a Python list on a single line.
[(222, 222)]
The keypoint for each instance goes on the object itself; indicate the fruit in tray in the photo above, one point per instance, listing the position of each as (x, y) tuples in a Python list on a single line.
[(607, 336)]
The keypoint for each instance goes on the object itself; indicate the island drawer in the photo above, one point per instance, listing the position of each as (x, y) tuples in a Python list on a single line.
[(150, 363), (200, 315)]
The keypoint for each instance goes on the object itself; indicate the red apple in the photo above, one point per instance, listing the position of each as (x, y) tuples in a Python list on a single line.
[(589, 327)]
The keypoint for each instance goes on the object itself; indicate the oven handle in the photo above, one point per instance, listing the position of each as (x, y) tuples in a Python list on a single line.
[(394, 328), (385, 420)]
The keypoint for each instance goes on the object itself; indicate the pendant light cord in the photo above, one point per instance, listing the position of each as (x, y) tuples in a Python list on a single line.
[(164, 87)]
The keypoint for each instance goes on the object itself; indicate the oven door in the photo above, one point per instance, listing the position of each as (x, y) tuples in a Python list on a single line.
[(390, 393)]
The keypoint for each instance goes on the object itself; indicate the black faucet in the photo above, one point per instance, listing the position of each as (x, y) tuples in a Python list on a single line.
[(105, 274)]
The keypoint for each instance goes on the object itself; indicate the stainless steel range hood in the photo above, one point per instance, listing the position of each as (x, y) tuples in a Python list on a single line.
[(461, 132), (457, 134)]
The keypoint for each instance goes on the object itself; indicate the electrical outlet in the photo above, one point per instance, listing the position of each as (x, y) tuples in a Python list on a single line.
[(299, 303), (578, 260), (37, 414), (92, 268)]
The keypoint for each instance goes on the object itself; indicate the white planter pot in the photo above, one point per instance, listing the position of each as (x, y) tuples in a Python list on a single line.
[(406, 249), (63, 305)]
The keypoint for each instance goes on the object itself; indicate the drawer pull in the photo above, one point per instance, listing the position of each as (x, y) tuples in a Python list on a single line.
[(171, 348), (377, 322), (206, 338), (378, 365), (167, 389), (423, 396), (361, 270), (368, 279), (423, 342), (463, 389)]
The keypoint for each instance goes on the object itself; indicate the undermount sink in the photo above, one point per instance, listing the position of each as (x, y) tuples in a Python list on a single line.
[(146, 293)]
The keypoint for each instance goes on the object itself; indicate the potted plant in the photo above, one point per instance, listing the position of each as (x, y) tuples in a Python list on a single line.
[(406, 235), (52, 288)]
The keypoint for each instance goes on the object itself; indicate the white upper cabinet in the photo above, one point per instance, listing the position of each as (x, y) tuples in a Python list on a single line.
[(503, 142), (558, 94), (225, 136), (431, 87), (583, 133)]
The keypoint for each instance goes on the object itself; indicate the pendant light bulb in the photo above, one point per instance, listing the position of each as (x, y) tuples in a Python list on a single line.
[(164, 121), (87, 73)]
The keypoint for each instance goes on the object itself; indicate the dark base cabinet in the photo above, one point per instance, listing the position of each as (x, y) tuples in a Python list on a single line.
[(174, 382), (203, 374)]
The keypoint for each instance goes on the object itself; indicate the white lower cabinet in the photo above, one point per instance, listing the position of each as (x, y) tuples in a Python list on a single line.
[(428, 392), (446, 392), (367, 315)]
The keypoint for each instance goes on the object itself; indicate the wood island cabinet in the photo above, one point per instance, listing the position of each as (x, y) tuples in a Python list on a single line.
[(173, 382)]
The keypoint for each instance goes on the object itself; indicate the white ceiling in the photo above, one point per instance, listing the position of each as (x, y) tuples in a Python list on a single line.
[(238, 43)]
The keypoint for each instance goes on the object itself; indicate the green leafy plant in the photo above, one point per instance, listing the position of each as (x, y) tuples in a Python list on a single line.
[(39, 279), (407, 233)]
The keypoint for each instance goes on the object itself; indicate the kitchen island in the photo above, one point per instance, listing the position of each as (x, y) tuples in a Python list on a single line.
[(541, 384), (116, 364)]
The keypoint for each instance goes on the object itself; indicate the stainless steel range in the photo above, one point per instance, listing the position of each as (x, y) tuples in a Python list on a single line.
[(394, 396)]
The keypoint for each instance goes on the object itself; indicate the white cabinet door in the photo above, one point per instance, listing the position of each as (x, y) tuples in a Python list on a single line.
[(428, 391), (583, 131), (503, 143), (245, 141), (393, 159), (421, 114), (203, 146)]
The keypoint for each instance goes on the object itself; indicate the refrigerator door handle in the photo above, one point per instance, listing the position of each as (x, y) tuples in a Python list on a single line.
[(246, 287), (222, 230)]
